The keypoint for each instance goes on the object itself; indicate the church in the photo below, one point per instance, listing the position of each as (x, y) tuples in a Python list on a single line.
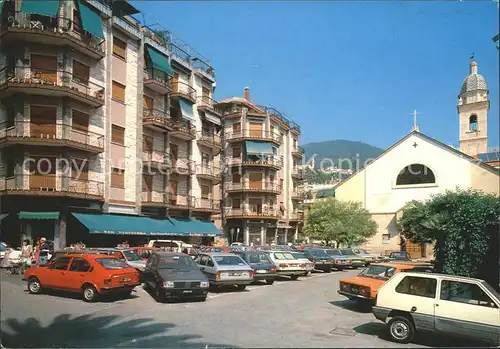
[(419, 166)]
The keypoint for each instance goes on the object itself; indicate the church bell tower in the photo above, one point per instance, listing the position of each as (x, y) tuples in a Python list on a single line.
[(473, 106)]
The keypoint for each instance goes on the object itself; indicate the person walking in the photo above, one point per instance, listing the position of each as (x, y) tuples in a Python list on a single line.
[(26, 253)]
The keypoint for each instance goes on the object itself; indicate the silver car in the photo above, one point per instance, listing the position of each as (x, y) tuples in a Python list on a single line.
[(225, 269)]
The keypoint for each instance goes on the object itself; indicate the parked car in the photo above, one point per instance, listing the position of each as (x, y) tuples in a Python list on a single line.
[(369, 257), (356, 261), (3, 249), (224, 269), (340, 262), (452, 305), (397, 256), (128, 255), (171, 245), (287, 264), (145, 252), (91, 275), (302, 257), (320, 258), (259, 261), (364, 287), (174, 275)]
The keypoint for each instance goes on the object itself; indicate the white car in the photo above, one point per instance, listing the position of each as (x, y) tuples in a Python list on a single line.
[(287, 264), (453, 305), (303, 258)]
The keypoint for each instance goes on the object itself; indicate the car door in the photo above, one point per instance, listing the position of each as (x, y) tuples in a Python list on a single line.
[(57, 275), (77, 273), (201, 261), (210, 268), (417, 295), (148, 271), (466, 309)]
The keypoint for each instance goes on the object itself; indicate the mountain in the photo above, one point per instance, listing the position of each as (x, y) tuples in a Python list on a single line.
[(339, 153)]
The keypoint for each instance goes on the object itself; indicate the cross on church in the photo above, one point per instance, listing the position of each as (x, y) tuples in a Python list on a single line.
[(415, 126), (415, 145)]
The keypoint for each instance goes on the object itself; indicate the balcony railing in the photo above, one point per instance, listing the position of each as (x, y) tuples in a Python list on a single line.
[(299, 151), (179, 200), (184, 129), (252, 211), (208, 171), (254, 186), (266, 161), (297, 194), (206, 204), (24, 132), (185, 90), (296, 173), (157, 80), (54, 82), (183, 166), (153, 198), (296, 216), (209, 139), (158, 118), (206, 103), (254, 134), (51, 185), (51, 31), (154, 159)]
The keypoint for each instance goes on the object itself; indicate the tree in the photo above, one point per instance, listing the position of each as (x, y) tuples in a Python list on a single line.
[(345, 222), (464, 225)]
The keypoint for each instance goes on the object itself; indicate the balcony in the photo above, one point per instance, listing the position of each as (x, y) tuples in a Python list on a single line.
[(157, 81), (298, 174), (155, 160), (210, 140), (56, 135), (210, 172), (51, 185), (53, 83), (294, 127), (298, 152), (179, 201), (183, 129), (156, 119), (54, 32), (274, 162), (183, 167), (207, 104), (255, 187), (251, 213), (296, 216), (154, 199), (183, 90), (206, 205), (254, 135), (296, 195)]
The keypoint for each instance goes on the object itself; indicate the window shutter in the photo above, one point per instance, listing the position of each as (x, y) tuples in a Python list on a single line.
[(80, 121), (81, 71), (119, 48), (118, 135), (118, 178), (118, 91)]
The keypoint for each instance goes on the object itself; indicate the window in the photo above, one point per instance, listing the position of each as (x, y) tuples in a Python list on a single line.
[(118, 92), (205, 159), (236, 175), (117, 135), (462, 292), (386, 238), (43, 165), (473, 123), (236, 151), (11, 116), (205, 190), (79, 264), (61, 263), (203, 260), (271, 204), (236, 128), (77, 23), (236, 203), (271, 179), (81, 72), (417, 286), (80, 121), (10, 165), (209, 262), (147, 145), (119, 48), (80, 169), (148, 105), (117, 178), (415, 174), (281, 184)]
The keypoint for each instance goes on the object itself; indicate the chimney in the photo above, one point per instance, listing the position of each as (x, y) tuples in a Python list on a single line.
[(247, 94)]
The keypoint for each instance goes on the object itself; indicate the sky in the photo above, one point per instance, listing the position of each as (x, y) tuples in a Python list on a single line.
[(345, 70)]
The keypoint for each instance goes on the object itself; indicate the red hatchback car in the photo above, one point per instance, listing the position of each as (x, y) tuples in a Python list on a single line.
[(91, 275)]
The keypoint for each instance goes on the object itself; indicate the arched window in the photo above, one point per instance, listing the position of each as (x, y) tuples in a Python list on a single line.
[(415, 174), (473, 123)]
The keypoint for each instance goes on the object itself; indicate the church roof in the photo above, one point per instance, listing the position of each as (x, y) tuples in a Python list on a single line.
[(474, 81)]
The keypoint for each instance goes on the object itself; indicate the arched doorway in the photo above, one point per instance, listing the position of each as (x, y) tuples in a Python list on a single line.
[(415, 250)]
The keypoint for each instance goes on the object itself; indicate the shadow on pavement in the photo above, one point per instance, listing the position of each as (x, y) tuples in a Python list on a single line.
[(88, 331), (429, 340), (363, 308)]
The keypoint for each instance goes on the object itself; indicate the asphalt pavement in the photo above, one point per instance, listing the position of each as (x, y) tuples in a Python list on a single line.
[(304, 313)]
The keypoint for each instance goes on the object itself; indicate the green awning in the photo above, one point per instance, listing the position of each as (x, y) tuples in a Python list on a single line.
[(159, 61), (325, 193), (3, 215), (192, 227), (91, 21), (38, 215), (126, 224), (45, 8), (2, 2), (258, 148), (187, 110)]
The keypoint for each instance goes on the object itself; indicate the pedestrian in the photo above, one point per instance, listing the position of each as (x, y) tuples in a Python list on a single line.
[(26, 253), (44, 250)]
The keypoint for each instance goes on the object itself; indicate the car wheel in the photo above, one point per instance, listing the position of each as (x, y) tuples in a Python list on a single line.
[(294, 277), (127, 294), (401, 329), (159, 296), (34, 285), (269, 281), (328, 270), (241, 287), (354, 268), (90, 293)]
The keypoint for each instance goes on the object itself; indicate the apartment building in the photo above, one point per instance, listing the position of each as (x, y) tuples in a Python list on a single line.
[(262, 177), (100, 115)]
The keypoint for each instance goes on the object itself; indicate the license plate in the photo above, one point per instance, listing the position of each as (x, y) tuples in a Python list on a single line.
[(320, 262), (292, 265), (124, 280), (234, 274), (261, 271), (355, 290), (187, 291)]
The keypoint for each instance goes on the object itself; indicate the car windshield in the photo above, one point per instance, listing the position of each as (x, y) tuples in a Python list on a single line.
[(258, 258), (228, 260), (400, 255), (492, 290), (361, 251), (380, 272), (334, 252), (176, 262), (131, 256), (318, 253), (348, 252), (283, 256), (112, 263), (2, 248), (299, 255)]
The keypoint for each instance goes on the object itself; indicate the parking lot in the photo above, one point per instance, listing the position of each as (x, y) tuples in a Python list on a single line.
[(303, 313)]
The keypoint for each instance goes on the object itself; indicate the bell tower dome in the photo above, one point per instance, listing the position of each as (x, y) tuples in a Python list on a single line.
[(473, 106)]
